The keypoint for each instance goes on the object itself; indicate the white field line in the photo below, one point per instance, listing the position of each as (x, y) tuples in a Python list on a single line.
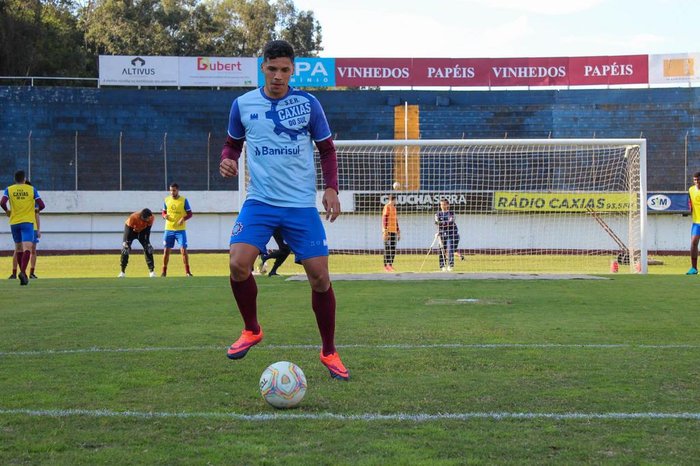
[(48, 352), (367, 417)]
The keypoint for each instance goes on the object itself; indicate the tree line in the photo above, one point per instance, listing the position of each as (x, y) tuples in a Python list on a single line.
[(65, 37)]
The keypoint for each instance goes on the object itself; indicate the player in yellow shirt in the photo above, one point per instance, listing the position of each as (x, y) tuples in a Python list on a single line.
[(176, 211), (24, 202), (390, 233), (694, 203), (32, 261)]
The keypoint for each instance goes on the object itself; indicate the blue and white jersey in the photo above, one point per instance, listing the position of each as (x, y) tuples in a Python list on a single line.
[(279, 135)]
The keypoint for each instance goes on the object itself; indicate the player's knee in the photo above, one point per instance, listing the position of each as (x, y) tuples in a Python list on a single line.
[(149, 249), (239, 270)]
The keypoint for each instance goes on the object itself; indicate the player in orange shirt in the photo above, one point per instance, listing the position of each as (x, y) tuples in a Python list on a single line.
[(391, 233), (138, 226)]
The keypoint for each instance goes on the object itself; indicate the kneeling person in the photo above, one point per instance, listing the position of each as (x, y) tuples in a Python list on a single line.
[(138, 226)]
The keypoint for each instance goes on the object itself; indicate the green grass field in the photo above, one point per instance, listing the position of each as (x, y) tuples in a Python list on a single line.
[(207, 264), (133, 371)]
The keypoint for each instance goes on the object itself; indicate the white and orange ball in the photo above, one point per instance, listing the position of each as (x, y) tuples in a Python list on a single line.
[(283, 384)]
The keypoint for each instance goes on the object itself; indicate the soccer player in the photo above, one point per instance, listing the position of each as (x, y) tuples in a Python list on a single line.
[(694, 204), (280, 255), (176, 211), (448, 235), (35, 241), (23, 199), (138, 226), (280, 125), (391, 233)]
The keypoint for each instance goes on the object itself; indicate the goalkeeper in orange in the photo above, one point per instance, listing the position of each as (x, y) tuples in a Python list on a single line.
[(391, 233), (138, 227)]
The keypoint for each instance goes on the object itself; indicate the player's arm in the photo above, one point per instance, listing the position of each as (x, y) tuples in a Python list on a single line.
[(385, 223), (329, 170), (38, 224), (188, 212), (38, 202), (233, 146), (3, 203), (231, 152)]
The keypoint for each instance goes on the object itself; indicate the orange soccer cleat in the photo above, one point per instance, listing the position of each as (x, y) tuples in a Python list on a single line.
[(246, 341), (335, 366)]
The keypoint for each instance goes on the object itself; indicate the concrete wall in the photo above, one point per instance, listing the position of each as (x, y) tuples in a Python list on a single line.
[(80, 220)]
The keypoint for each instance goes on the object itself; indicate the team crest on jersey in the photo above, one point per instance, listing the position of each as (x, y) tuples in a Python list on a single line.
[(292, 117), (237, 228)]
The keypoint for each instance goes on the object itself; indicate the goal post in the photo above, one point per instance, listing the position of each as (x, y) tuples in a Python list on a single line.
[(521, 205)]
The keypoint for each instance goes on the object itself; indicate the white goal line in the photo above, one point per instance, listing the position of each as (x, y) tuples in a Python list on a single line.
[(49, 352), (365, 417)]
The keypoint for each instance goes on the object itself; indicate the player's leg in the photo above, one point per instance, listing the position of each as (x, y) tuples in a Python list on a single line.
[(392, 250), (441, 252), (694, 240), (304, 232), (168, 244), (128, 238), (249, 236), (32, 260), (25, 235), (15, 254), (456, 248), (182, 239), (280, 256), (450, 252), (145, 240)]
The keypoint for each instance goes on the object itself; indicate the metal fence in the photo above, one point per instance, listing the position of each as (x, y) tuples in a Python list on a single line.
[(90, 162)]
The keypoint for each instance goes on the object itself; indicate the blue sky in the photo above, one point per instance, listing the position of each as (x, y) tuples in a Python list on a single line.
[(505, 28)]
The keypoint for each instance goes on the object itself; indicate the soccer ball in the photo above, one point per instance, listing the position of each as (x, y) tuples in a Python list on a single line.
[(283, 384), (397, 185)]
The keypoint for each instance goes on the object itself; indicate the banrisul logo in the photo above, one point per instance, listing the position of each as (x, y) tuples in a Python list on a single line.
[(291, 116)]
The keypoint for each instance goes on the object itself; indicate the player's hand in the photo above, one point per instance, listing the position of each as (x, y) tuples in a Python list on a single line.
[(228, 168), (398, 236), (7, 212), (385, 235), (181, 221), (38, 234), (331, 203)]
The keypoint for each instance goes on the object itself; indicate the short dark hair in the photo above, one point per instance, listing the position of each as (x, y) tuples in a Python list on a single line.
[(146, 213), (696, 175), (277, 49), (175, 185), (20, 176)]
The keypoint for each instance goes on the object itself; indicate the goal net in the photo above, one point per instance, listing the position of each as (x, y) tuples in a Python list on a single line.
[(537, 206), (520, 205)]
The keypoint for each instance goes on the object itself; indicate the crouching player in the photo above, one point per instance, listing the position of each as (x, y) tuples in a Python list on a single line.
[(138, 226)]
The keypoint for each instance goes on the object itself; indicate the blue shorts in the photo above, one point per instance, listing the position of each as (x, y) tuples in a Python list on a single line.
[(695, 229), (169, 237), (23, 232), (301, 228), (36, 237)]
